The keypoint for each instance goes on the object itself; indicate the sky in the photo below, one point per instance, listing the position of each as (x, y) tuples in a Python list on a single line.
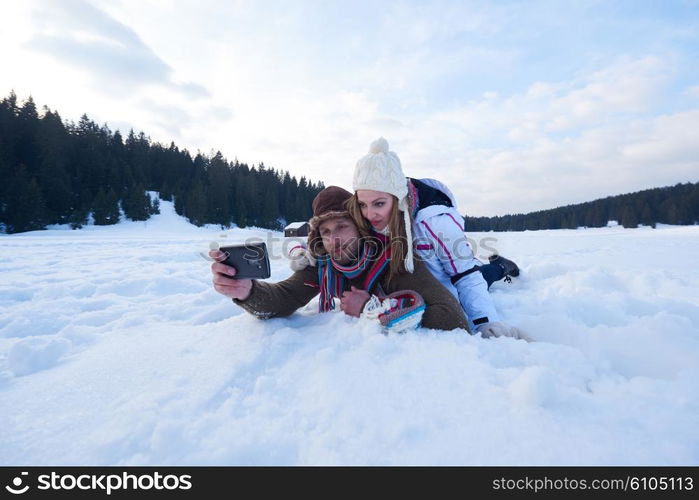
[(516, 106)]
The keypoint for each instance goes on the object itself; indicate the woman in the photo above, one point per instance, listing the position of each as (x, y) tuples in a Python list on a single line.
[(423, 214)]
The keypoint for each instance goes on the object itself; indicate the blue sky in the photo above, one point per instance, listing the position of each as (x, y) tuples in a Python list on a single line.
[(517, 106)]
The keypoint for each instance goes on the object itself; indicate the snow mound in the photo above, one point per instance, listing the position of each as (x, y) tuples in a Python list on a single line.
[(34, 354)]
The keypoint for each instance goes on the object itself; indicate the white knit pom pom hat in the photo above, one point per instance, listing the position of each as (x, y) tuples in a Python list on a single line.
[(380, 170)]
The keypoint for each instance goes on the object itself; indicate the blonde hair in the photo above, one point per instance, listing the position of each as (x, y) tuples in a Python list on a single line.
[(396, 226)]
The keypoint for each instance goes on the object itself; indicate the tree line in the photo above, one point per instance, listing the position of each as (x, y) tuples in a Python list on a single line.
[(677, 204), (56, 172)]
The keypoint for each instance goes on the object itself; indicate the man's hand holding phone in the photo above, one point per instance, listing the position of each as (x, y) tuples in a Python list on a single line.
[(223, 278)]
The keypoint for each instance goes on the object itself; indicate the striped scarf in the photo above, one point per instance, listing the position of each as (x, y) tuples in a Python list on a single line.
[(332, 276)]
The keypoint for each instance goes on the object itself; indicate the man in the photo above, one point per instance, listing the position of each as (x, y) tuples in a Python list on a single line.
[(346, 267)]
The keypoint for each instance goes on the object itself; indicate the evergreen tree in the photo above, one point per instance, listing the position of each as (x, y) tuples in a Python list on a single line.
[(105, 208), (693, 202), (179, 197), (52, 140), (137, 148), (668, 212), (27, 124), (599, 216), (270, 214), (136, 203), (573, 220), (219, 191), (647, 217), (195, 205), (629, 218), (78, 218), (9, 136), (240, 213), (166, 191), (155, 207), (24, 204)]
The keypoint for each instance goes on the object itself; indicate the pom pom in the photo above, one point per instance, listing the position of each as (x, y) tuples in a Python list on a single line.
[(380, 145)]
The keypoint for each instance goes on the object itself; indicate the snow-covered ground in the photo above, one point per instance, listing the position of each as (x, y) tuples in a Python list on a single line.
[(115, 349)]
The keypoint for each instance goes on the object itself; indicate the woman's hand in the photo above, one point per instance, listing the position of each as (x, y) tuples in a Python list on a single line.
[(498, 329), (235, 289)]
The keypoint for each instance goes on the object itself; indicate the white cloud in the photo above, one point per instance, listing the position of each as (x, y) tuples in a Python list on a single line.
[(306, 87), (557, 142)]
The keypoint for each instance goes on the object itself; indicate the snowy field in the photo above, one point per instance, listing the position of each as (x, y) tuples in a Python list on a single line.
[(115, 349)]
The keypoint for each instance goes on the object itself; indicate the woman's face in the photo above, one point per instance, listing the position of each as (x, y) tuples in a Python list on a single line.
[(376, 207)]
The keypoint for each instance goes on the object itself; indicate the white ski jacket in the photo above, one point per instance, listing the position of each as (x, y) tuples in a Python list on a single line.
[(440, 241)]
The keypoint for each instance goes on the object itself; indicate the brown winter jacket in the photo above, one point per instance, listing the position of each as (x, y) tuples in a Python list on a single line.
[(269, 300)]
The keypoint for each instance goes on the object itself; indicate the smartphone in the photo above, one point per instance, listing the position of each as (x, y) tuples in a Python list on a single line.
[(250, 260)]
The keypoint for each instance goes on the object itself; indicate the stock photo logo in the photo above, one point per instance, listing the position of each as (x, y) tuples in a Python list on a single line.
[(279, 247), (105, 483), (16, 487)]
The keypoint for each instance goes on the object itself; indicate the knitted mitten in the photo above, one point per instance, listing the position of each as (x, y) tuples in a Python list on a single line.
[(398, 312), (300, 258)]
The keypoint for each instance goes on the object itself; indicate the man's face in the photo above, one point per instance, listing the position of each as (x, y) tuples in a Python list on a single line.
[(340, 239)]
